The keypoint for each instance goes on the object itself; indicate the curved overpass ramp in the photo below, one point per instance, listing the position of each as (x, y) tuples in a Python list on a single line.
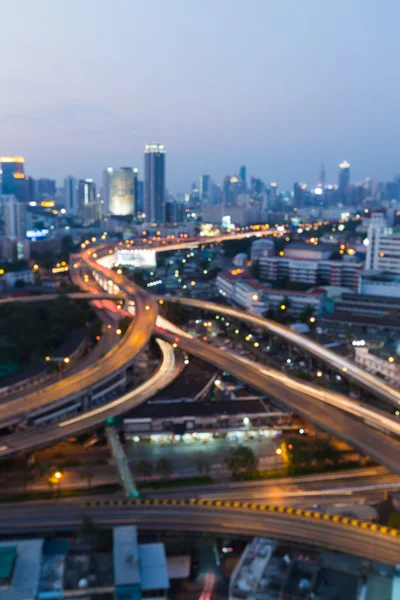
[(369, 441), (364, 539), (333, 360)]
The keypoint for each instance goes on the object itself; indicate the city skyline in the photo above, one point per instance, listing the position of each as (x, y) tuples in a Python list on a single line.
[(279, 88)]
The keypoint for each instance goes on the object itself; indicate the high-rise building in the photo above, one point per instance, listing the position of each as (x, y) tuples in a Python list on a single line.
[(30, 189), (14, 219), (242, 173), (204, 189), (86, 193), (46, 188), (135, 189), (140, 197), (12, 177), (71, 195), (226, 190), (383, 250), (120, 194), (344, 175), (273, 195), (106, 188), (154, 182), (321, 176)]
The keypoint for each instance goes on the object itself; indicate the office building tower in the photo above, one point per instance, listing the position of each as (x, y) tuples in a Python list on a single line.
[(30, 189), (242, 174), (46, 188), (140, 197), (273, 195), (86, 193), (344, 175), (256, 185), (106, 188), (204, 189), (120, 193), (14, 219), (12, 177), (383, 250), (135, 189), (71, 195), (154, 182), (226, 190), (321, 176)]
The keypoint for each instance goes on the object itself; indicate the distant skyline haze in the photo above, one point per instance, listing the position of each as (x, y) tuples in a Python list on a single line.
[(280, 87)]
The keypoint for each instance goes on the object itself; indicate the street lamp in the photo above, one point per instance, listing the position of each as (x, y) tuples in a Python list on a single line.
[(66, 360), (283, 307), (118, 331), (391, 359), (57, 475), (312, 319)]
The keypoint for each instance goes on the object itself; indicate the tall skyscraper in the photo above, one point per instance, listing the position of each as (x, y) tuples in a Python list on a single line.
[(119, 190), (226, 190), (242, 177), (154, 182), (86, 193), (14, 219), (71, 195), (321, 176), (204, 189), (140, 197), (12, 177), (344, 175), (135, 189), (46, 188), (106, 188)]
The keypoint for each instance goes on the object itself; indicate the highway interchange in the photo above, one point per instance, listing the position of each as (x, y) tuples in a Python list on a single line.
[(303, 401)]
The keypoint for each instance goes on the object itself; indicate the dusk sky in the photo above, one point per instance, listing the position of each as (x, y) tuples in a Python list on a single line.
[(279, 86)]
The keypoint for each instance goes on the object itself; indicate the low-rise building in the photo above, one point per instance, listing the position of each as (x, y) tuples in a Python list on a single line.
[(378, 363), (379, 283), (11, 277), (364, 314), (255, 296), (140, 570), (311, 271), (20, 562)]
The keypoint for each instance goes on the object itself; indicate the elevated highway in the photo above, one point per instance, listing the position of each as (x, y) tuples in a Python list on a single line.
[(40, 437), (364, 539), (343, 366), (369, 441)]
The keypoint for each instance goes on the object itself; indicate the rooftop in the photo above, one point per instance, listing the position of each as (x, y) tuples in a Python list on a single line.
[(25, 578), (8, 555), (126, 556), (167, 410), (153, 567)]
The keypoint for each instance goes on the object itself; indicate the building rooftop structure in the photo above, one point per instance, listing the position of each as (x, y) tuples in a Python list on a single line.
[(126, 556), (153, 567), (21, 568), (138, 569)]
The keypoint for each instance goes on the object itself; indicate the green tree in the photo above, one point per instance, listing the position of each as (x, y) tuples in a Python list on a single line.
[(163, 468), (20, 284), (87, 472), (144, 468), (255, 270), (306, 313), (139, 278), (203, 467), (241, 460), (124, 323)]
